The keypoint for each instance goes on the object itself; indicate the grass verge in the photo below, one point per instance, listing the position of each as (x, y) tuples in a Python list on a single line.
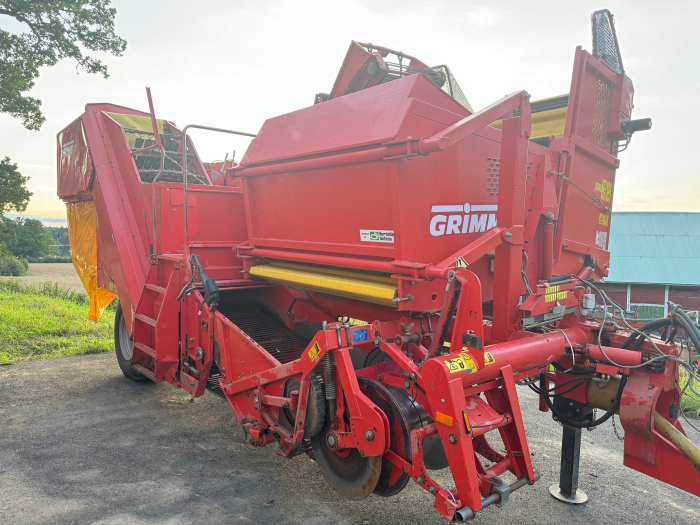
[(49, 321), (690, 403)]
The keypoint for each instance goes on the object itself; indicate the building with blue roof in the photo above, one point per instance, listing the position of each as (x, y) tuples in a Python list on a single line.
[(654, 258)]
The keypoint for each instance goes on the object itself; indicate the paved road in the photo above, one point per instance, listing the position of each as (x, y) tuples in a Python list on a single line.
[(81, 444)]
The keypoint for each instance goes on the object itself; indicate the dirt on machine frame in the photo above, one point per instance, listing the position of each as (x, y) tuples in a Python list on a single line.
[(464, 246)]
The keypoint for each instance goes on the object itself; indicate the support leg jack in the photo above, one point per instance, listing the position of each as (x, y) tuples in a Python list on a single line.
[(567, 489)]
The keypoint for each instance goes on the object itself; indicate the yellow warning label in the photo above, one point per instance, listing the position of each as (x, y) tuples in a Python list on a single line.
[(489, 359), (555, 295), (462, 363), (603, 219), (315, 350), (605, 189)]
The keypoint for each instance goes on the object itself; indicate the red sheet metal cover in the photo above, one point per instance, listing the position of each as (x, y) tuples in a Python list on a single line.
[(74, 163), (368, 117)]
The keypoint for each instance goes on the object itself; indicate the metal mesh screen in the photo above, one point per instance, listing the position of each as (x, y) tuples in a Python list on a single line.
[(601, 114), (604, 40), (452, 88)]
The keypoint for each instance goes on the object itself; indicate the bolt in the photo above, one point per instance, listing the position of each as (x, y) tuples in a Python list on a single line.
[(413, 376), (527, 96), (453, 439), (432, 490), (369, 435), (550, 215), (330, 439), (442, 401), (419, 481), (377, 341), (507, 235), (406, 385)]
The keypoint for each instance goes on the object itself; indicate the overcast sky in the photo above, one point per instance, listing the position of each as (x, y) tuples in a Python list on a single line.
[(232, 63)]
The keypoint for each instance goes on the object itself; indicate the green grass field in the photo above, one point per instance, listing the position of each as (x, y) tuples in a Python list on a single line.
[(49, 321), (690, 403)]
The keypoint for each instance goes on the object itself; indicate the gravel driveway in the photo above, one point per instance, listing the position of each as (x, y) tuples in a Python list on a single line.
[(81, 444)]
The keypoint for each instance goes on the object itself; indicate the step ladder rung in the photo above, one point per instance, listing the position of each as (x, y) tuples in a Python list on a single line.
[(145, 371), (146, 349), (156, 288), (170, 257), (146, 319)]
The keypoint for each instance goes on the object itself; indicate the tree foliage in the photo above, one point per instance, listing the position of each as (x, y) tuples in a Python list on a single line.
[(14, 194), (32, 239), (58, 29)]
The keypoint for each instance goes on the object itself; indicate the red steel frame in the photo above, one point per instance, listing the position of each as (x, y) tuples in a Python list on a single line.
[(469, 391)]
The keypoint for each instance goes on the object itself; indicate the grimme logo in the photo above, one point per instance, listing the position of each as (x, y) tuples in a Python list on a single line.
[(474, 218)]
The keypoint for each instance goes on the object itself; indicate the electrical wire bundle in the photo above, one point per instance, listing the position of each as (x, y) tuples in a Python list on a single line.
[(677, 319)]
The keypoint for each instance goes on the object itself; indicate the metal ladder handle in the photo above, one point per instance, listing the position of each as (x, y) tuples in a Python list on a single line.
[(184, 157)]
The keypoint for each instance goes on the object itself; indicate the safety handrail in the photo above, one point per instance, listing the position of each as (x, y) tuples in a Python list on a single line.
[(184, 158)]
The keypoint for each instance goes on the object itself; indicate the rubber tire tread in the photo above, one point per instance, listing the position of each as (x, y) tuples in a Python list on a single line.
[(321, 404), (125, 365)]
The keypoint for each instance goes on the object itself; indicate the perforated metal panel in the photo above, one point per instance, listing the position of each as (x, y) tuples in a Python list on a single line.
[(601, 115)]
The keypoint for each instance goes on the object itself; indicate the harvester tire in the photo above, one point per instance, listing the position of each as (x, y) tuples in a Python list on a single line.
[(124, 347), (316, 407)]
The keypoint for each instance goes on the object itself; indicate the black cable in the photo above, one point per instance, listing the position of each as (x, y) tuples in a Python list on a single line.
[(649, 327), (589, 424), (574, 372), (576, 379), (582, 381), (690, 327)]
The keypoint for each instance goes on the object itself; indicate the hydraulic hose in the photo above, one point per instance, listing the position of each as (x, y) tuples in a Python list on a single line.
[(586, 424), (689, 326), (649, 327), (653, 325), (574, 372)]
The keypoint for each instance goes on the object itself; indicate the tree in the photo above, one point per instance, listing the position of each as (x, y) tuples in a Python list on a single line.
[(58, 29), (14, 194), (33, 240)]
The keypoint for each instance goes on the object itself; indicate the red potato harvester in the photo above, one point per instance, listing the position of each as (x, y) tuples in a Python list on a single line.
[(468, 243)]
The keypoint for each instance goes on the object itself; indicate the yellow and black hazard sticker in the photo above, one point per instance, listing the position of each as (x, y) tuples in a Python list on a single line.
[(605, 189), (553, 294), (315, 350), (603, 219), (489, 359), (461, 363)]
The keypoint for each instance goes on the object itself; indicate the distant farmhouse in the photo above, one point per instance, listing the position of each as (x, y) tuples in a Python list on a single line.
[(654, 258)]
